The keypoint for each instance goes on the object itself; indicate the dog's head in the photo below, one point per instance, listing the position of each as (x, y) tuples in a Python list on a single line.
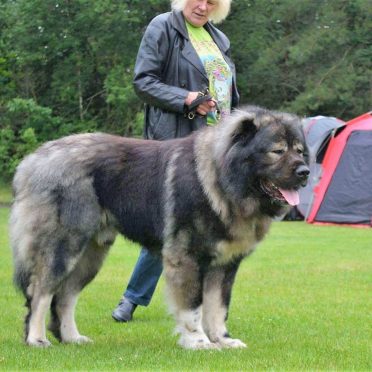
[(262, 154)]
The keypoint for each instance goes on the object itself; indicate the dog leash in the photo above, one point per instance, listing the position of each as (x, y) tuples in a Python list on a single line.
[(190, 110)]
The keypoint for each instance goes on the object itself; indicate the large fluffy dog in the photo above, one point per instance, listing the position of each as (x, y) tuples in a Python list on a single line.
[(204, 201)]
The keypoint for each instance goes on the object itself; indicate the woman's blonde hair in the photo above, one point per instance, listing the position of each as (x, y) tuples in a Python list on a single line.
[(220, 12)]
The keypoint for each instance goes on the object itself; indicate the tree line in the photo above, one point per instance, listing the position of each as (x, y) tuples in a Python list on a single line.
[(66, 66)]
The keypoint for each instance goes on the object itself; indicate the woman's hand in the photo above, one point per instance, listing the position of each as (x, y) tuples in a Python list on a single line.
[(204, 107)]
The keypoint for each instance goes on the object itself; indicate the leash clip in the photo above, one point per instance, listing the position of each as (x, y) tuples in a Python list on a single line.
[(190, 110)]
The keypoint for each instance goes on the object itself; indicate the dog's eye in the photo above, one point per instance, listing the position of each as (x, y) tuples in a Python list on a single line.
[(278, 151), (300, 151)]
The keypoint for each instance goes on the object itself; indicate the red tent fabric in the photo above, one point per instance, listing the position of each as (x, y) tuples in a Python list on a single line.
[(352, 178)]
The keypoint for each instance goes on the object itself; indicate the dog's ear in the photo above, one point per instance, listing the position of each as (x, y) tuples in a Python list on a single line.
[(246, 128)]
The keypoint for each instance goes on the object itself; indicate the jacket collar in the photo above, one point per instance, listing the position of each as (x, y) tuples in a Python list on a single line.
[(178, 22)]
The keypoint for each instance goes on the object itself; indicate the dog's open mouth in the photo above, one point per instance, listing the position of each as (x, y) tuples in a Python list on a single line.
[(279, 194)]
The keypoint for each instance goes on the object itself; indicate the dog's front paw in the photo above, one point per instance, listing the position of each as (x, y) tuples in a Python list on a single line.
[(227, 342), (38, 342), (194, 341), (78, 340)]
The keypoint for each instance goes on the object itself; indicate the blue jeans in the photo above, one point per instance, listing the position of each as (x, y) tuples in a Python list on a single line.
[(144, 278)]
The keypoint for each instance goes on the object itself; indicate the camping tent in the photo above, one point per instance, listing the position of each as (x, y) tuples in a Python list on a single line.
[(318, 132), (344, 192)]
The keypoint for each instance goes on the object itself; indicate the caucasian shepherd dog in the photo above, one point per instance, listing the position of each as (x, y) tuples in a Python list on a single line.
[(203, 201)]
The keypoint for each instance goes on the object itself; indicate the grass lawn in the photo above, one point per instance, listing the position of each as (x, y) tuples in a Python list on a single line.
[(5, 193), (302, 301)]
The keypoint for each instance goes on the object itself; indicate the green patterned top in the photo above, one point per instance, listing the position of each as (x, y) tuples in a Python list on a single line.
[(218, 71)]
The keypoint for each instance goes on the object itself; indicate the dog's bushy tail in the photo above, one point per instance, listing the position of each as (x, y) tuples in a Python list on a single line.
[(21, 277), (21, 259)]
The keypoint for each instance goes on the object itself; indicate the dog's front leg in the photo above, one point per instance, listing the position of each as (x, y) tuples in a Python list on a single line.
[(184, 295), (218, 283)]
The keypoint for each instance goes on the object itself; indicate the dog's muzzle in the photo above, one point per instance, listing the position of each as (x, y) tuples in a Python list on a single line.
[(302, 173)]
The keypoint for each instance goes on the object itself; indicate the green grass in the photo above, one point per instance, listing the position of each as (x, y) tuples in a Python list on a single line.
[(302, 301), (5, 193)]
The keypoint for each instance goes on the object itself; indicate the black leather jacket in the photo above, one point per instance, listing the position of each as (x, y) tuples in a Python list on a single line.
[(167, 69)]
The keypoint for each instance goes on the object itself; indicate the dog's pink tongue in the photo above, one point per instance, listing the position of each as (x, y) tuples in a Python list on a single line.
[(291, 196)]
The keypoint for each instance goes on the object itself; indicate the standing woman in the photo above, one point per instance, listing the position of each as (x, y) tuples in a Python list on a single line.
[(181, 55)]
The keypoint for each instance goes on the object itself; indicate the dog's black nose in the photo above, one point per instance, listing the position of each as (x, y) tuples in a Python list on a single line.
[(302, 171)]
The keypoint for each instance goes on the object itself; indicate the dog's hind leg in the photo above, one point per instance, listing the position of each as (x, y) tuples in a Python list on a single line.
[(63, 323), (52, 267), (218, 283), (184, 295), (35, 320)]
